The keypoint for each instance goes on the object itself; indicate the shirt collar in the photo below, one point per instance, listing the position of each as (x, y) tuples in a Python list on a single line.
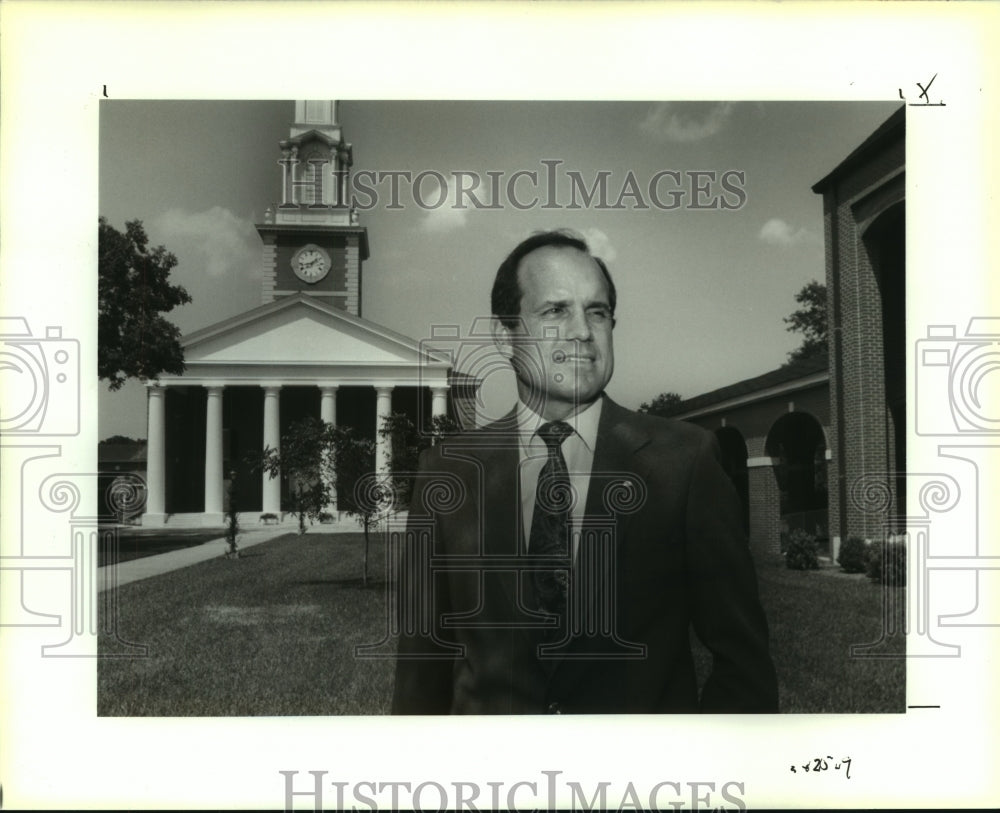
[(584, 424)]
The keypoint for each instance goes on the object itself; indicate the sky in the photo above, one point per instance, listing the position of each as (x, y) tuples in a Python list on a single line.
[(702, 291)]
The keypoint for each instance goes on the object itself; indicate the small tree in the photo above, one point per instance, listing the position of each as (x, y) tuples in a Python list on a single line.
[(406, 442), (232, 521), (360, 493), (316, 459), (666, 404), (133, 290), (303, 463), (810, 321)]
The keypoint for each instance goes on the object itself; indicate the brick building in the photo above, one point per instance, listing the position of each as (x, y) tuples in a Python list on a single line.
[(773, 431), (864, 213), (821, 445)]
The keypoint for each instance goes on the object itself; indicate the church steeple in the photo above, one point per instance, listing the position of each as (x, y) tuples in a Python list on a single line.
[(312, 241)]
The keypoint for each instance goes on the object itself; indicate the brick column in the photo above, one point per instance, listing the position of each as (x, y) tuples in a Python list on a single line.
[(765, 507)]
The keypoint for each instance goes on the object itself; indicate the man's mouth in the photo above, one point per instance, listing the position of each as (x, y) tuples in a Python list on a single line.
[(560, 357)]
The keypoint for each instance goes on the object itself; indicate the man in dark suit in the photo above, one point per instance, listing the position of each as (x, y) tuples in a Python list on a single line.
[(556, 560)]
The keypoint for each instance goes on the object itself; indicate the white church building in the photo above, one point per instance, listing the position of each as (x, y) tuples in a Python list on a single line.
[(305, 351)]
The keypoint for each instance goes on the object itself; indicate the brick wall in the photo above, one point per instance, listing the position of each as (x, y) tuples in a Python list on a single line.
[(765, 511), (859, 432)]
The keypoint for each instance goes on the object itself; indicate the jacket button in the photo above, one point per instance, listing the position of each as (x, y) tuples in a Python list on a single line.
[(554, 708)]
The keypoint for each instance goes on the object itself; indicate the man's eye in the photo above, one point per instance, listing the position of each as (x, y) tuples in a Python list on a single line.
[(555, 310), (600, 313)]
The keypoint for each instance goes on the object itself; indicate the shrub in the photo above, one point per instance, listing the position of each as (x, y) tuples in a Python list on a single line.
[(853, 556), (801, 551), (887, 562), (325, 517)]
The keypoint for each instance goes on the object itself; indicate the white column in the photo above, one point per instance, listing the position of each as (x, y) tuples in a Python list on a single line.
[(213, 453), (328, 405), (439, 401), (272, 439), (383, 408), (328, 414), (155, 457)]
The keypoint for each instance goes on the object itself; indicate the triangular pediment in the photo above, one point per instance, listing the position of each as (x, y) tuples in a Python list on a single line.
[(301, 330)]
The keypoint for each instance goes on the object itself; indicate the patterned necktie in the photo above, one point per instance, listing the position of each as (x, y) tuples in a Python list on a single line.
[(549, 533)]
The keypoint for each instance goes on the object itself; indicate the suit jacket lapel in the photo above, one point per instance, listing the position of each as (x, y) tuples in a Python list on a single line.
[(613, 476), (503, 534)]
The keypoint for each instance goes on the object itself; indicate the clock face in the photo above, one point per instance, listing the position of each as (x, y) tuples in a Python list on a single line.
[(311, 263)]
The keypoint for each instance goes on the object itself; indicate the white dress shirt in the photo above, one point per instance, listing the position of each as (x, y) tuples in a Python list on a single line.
[(578, 451)]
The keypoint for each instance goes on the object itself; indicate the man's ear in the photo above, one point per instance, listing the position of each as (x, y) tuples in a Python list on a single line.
[(503, 338)]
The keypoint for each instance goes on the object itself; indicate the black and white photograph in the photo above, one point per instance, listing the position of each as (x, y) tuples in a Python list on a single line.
[(357, 416), (348, 286)]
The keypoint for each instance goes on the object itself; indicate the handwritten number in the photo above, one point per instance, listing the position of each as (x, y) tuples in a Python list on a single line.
[(818, 764)]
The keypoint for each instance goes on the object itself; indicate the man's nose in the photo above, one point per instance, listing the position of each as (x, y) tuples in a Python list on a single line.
[(578, 327)]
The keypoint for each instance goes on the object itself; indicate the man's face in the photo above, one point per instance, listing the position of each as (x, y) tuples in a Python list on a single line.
[(565, 356)]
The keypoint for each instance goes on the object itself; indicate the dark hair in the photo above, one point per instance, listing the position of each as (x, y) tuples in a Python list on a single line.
[(505, 299)]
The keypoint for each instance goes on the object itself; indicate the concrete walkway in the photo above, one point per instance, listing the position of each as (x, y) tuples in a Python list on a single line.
[(135, 570), (132, 571)]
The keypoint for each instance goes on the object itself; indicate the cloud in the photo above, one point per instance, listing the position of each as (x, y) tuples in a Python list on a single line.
[(445, 217), (777, 232), (215, 242), (600, 245), (671, 121)]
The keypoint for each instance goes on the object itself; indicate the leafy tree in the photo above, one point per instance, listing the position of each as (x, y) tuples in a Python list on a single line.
[(123, 440), (665, 405), (810, 321), (133, 339)]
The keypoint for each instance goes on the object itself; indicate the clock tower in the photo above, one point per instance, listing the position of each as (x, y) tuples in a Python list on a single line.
[(312, 241)]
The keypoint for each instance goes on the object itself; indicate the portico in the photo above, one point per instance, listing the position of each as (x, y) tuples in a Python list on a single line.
[(249, 377)]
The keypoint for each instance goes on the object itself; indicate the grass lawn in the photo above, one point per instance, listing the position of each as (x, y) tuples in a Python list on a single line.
[(273, 633), (270, 633), (815, 617)]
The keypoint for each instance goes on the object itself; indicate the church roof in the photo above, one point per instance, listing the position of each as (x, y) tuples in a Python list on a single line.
[(806, 370), (892, 129), (302, 329)]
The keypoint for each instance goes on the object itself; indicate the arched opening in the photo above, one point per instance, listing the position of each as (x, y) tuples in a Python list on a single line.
[(798, 445), (734, 460)]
